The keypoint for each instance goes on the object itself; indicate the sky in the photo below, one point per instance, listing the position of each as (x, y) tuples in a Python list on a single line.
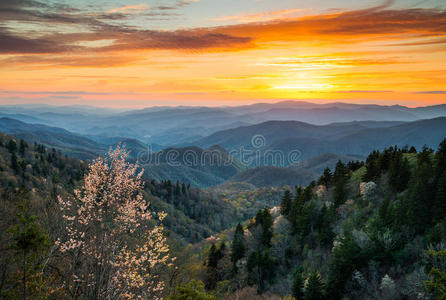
[(136, 53)]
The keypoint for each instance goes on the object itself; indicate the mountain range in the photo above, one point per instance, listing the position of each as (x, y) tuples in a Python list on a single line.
[(237, 143), (168, 126)]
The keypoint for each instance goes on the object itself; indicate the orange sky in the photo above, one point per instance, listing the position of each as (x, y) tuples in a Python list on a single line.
[(381, 55)]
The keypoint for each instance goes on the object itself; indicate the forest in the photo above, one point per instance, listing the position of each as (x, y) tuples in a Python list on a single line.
[(100, 230)]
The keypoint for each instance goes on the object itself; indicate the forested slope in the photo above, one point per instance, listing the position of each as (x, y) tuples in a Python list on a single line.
[(373, 231)]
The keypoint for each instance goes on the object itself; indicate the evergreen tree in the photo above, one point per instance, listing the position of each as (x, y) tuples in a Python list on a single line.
[(285, 205), (385, 213), (421, 194), (340, 192), (11, 146), (177, 189), (372, 169), (399, 173), (345, 259), (14, 164), (261, 269), (215, 255), (238, 246), (326, 234), (340, 180), (298, 284), (265, 221), (314, 289), (440, 159), (326, 177), (440, 199), (183, 189), (28, 239), (22, 147)]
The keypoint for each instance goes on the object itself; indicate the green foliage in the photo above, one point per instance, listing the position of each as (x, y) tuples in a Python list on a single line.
[(193, 290), (436, 284), (345, 259), (212, 274), (28, 240), (14, 163), (11, 146), (399, 172), (298, 284), (261, 269), (238, 246), (285, 205), (265, 221), (314, 289), (340, 181), (326, 178), (440, 198)]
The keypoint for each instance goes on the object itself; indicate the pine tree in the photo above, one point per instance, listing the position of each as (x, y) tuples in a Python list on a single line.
[(340, 180), (298, 284), (421, 193), (14, 164), (346, 256), (261, 269), (285, 205), (326, 234), (399, 173), (372, 169), (265, 220), (315, 287), (440, 199), (238, 246), (326, 177), (183, 189), (215, 255), (440, 159), (28, 239), (11, 146), (22, 147)]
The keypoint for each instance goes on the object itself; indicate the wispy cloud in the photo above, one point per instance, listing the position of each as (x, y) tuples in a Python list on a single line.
[(431, 92), (129, 9), (263, 17)]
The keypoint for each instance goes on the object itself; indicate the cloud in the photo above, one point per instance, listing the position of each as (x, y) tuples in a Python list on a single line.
[(365, 91), (374, 24), (10, 44), (431, 92), (176, 5), (262, 17), (129, 9)]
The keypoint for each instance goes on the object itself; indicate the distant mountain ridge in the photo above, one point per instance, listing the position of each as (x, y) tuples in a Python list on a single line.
[(308, 140), (69, 143), (170, 126)]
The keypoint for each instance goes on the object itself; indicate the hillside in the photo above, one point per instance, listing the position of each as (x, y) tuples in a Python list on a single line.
[(307, 141), (274, 176), (362, 232), (299, 174), (71, 144), (61, 139), (193, 165)]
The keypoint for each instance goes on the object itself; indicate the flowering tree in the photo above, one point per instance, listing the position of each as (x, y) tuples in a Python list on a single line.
[(113, 245)]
